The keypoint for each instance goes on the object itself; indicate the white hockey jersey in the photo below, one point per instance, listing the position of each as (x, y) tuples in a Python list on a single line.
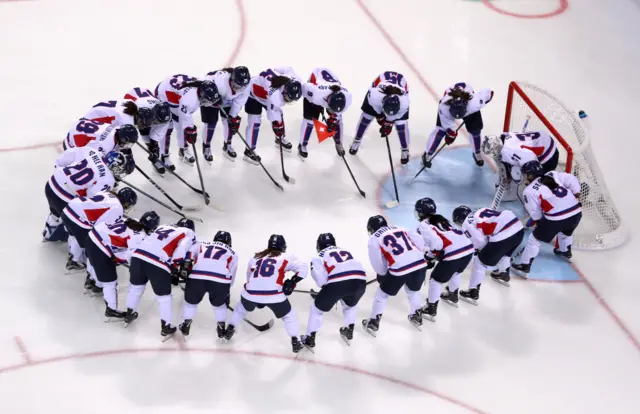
[(104, 207), (144, 98), (478, 101), (216, 262), (265, 277), (376, 93), (167, 246), (91, 133), (486, 225), (234, 100), (539, 143), (318, 88), (109, 112), (116, 240), (182, 101), (396, 250), (136, 93), (80, 172), (271, 98), (446, 245), (559, 204), (334, 264)]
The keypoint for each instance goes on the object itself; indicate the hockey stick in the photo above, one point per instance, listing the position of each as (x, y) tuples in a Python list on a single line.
[(314, 292), (288, 179), (164, 193), (392, 203), (204, 193), (259, 328), (161, 203), (175, 173), (424, 167), (246, 144)]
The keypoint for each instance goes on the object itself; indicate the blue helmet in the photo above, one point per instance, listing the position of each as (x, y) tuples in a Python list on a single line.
[(325, 240), (127, 135), (161, 114), (460, 214), (458, 108), (391, 105), (150, 220), (375, 223), (336, 101), (424, 208), (292, 91), (128, 198), (533, 168), (208, 93), (187, 223), (277, 242), (144, 118), (240, 78), (116, 162), (223, 237)]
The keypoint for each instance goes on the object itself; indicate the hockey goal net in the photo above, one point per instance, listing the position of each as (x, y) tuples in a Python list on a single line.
[(536, 108)]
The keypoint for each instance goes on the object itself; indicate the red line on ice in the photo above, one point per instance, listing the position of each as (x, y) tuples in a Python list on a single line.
[(563, 5), (23, 350)]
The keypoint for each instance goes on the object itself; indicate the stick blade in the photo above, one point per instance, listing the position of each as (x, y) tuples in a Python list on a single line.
[(362, 193), (290, 180), (391, 204)]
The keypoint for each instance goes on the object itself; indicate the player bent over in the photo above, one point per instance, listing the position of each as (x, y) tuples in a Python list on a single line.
[(214, 270), (157, 259), (495, 236), (459, 102), (396, 255), (450, 247), (323, 91), (266, 286), (341, 278), (110, 245), (553, 201), (388, 101)]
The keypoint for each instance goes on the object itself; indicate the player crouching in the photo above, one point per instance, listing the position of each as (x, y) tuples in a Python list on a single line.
[(266, 286), (341, 278), (553, 201), (214, 270)]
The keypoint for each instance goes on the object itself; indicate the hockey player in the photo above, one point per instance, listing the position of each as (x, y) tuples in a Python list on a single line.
[(396, 255), (184, 95), (553, 201), (495, 236), (159, 259), (341, 278), (515, 149), (79, 172), (101, 136), (271, 90), (323, 91), (449, 247), (459, 102), (388, 102), (266, 286), (82, 213), (110, 245), (214, 270), (232, 85)]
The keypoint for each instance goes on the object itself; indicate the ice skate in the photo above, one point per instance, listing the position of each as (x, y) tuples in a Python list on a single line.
[(221, 330), (113, 315), (251, 157), (450, 297), (416, 319), (166, 161), (167, 330), (302, 152), (521, 269), (96, 290), (372, 325), (229, 332), (346, 333), (73, 266), (154, 157), (286, 145), (309, 341), (229, 152), (478, 159), (88, 284), (159, 166), (426, 161), (501, 277), (471, 296), (130, 316), (355, 146), (565, 255), (186, 155), (429, 311), (296, 345), (206, 153), (185, 327), (404, 156)]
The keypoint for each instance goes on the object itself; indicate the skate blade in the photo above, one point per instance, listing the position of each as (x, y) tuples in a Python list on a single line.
[(369, 331), (309, 349), (303, 159), (345, 339), (186, 161), (391, 204), (520, 273), (284, 149), (450, 303), (112, 319), (167, 337), (428, 317), (223, 341), (470, 301), (250, 161), (417, 326), (502, 282), (74, 271), (229, 157)]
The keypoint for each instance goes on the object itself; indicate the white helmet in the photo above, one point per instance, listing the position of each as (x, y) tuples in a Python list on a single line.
[(492, 145)]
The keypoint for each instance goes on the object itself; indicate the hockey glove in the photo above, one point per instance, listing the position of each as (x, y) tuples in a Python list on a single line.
[(450, 137), (234, 125), (385, 128), (175, 276), (290, 284), (381, 119), (278, 129), (190, 135), (431, 261), (332, 123), (185, 270)]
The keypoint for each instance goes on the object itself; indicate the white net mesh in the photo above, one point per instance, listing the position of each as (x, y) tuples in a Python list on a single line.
[(600, 227)]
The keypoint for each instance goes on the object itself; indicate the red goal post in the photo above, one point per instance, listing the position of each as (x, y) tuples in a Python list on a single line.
[(601, 227)]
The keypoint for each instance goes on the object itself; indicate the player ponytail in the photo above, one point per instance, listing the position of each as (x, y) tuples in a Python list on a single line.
[(460, 94), (134, 225), (392, 90), (440, 222), (195, 84), (549, 182), (278, 81), (130, 108), (267, 253)]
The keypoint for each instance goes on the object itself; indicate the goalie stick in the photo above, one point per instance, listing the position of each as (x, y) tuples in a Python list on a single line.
[(259, 328), (164, 193)]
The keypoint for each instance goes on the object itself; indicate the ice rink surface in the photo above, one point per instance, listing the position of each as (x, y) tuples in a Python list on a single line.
[(566, 342)]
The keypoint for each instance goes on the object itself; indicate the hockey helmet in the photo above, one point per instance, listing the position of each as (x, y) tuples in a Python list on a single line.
[(336, 101), (532, 169), (161, 113), (116, 162), (223, 237), (128, 198), (458, 108), (277, 242), (208, 93), (424, 208), (240, 78), (126, 136), (325, 240), (186, 223), (144, 118), (292, 91), (460, 214), (375, 223), (492, 145), (150, 220), (391, 105)]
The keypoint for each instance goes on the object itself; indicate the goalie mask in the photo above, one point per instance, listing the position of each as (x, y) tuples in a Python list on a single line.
[(492, 145)]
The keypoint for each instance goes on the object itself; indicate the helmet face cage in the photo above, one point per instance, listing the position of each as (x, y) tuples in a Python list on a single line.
[(161, 114), (336, 102), (292, 91), (116, 162), (458, 108), (208, 94), (144, 119), (492, 145), (391, 105), (240, 78)]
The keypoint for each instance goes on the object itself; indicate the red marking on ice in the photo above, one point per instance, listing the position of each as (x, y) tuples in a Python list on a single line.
[(23, 351)]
